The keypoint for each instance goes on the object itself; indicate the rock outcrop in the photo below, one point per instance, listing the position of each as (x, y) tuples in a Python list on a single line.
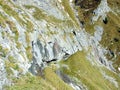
[(36, 32)]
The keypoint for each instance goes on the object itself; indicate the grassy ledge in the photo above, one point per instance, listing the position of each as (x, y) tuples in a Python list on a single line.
[(69, 10)]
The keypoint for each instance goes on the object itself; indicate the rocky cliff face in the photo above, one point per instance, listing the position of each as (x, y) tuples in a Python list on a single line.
[(35, 33)]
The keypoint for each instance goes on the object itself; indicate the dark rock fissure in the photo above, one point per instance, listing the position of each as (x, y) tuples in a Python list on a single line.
[(105, 21)]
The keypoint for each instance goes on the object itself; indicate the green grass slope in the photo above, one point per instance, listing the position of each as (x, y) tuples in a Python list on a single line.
[(50, 81), (90, 75), (79, 69)]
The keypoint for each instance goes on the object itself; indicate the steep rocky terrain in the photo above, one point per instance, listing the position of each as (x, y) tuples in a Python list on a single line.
[(59, 45)]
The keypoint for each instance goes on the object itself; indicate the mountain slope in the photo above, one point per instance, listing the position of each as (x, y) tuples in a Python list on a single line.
[(36, 36)]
